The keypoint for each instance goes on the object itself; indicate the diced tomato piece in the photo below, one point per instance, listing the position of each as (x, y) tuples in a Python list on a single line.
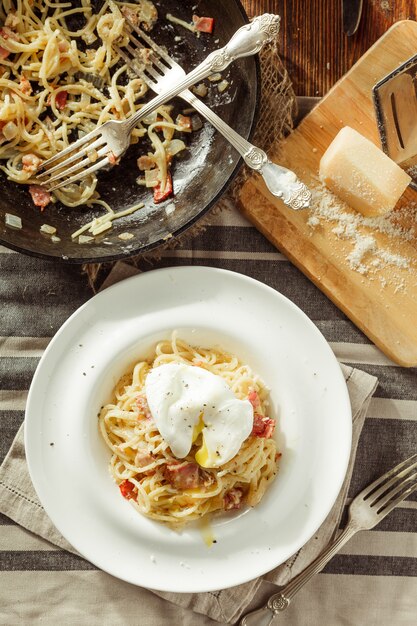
[(262, 426), (232, 499), (40, 196), (4, 53), (203, 24), (61, 100), (183, 475), (160, 195), (127, 489)]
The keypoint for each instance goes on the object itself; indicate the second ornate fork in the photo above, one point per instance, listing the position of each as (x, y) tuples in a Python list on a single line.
[(367, 509), (280, 181)]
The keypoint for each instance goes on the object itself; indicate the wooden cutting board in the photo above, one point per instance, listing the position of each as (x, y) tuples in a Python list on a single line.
[(382, 300)]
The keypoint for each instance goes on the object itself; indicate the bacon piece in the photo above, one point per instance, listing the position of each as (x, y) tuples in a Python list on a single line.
[(127, 489), (7, 33), (203, 24), (159, 195), (12, 20), (40, 196), (184, 121), (116, 113), (31, 162), (130, 14), (143, 407), (61, 100), (144, 55), (262, 426), (25, 86), (142, 459), (63, 46), (145, 163), (206, 478), (232, 499), (147, 14), (113, 160), (183, 475), (253, 398)]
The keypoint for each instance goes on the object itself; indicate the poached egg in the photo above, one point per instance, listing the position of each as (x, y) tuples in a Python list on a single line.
[(187, 400)]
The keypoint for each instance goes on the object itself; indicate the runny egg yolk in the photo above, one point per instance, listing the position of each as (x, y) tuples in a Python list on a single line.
[(203, 456), (198, 427), (186, 401)]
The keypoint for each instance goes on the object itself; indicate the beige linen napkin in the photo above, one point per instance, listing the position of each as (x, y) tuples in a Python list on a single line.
[(19, 501)]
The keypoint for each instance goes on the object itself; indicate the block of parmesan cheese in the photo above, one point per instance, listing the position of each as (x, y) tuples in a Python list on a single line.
[(361, 174)]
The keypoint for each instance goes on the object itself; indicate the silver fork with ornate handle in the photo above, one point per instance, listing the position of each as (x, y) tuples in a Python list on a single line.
[(366, 511), (154, 71), (107, 143)]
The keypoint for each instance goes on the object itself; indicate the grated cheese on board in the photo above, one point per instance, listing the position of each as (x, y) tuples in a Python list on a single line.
[(367, 255)]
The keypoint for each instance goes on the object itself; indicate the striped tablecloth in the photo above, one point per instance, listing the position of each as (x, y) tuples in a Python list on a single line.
[(372, 581)]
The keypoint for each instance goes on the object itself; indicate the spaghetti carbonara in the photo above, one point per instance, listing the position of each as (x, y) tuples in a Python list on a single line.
[(178, 490), (60, 77)]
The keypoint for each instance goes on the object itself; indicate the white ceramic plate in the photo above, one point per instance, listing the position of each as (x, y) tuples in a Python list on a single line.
[(209, 307)]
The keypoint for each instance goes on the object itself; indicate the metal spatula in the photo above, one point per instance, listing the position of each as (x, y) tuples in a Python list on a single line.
[(395, 100)]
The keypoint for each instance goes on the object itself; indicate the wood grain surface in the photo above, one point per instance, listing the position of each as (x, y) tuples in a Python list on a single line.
[(382, 301), (314, 48)]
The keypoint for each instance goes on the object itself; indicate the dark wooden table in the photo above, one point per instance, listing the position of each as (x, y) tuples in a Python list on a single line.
[(314, 48)]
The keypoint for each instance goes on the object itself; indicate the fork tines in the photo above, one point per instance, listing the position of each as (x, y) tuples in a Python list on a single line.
[(64, 171), (142, 58), (391, 488), (151, 44)]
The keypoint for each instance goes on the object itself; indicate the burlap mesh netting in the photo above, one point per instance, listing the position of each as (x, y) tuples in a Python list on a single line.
[(278, 103), (275, 120)]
